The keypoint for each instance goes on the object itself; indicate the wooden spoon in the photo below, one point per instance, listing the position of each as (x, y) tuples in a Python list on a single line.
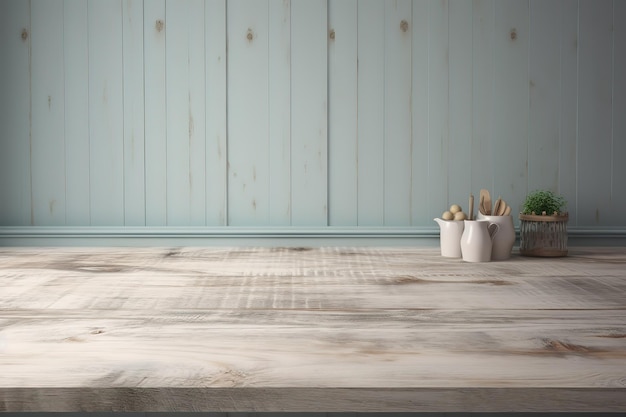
[(496, 206), (500, 207), (507, 210), (486, 198)]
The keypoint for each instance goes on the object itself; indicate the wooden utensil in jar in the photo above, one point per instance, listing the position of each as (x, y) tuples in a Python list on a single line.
[(499, 207), (486, 202)]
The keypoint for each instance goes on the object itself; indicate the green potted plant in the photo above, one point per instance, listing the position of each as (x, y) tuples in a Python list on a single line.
[(543, 225)]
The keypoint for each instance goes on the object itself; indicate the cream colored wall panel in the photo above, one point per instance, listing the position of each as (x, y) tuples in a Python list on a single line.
[(76, 74), (15, 98), (342, 112)]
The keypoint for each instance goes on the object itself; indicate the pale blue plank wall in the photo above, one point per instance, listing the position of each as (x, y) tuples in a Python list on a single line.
[(15, 89), (307, 113)]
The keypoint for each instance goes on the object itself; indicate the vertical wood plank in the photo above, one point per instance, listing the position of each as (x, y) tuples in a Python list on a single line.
[(460, 102), (178, 120), (397, 185), (155, 108), (511, 87), (545, 95), (15, 176), (438, 108), (618, 176), (216, 147), (106, 127), (185, 88), (177, 105), (342, 113), (48, 113), (595, 112), (309, 112), (134, 189), (197, 113), (76, 66), (569, 104), (279, 44), (483, 95), (371, 44), (248, 116), (421, 212)]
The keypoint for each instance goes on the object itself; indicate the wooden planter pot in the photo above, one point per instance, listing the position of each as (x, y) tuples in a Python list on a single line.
[(543, 235)]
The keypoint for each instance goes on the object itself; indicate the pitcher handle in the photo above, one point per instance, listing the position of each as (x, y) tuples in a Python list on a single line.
[(493, 229)]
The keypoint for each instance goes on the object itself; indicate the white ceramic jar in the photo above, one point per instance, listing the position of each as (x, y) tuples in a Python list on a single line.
[(450, 232), (476, 242), (503, 239)]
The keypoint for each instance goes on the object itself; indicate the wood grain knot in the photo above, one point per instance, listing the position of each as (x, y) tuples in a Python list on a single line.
[(24, 34), (73, 339), (159, 25), (404, 25), (513, 34), (563, 347), (331, 34)]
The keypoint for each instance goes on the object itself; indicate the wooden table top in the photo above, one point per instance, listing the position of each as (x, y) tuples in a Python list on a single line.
[(310, 329)]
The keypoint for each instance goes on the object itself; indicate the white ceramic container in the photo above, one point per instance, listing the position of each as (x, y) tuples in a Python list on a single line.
[(450, 232), (476, 241), (503, 239)]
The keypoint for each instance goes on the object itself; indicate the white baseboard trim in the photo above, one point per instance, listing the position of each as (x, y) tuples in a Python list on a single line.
[(259, 236)]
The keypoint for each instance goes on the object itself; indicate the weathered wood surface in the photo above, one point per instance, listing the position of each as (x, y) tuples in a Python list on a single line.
[(325, 329)]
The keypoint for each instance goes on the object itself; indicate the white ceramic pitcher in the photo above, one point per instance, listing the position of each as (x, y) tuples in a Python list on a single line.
[(503, 239), (450, 232), (476, 242)]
